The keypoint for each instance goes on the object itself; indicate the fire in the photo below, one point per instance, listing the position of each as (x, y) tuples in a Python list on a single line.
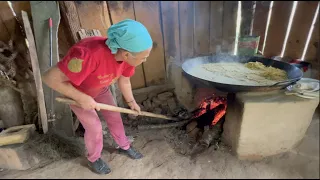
[(213, 103)]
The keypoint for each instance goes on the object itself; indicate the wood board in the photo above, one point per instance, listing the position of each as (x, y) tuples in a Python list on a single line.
[(281, 11), (148, 13), (216, 22), (229, 26), (201, 27), (260, 20), (121, 10), (300, 28)]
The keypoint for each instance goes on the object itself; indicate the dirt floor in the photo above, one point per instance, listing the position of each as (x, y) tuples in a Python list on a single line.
[(161, 161)]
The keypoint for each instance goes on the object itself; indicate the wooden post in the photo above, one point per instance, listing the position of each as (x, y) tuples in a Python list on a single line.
[(70, 14)]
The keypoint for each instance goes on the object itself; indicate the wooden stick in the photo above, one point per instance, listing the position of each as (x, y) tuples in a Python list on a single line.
[(36, 71), (118, 109)]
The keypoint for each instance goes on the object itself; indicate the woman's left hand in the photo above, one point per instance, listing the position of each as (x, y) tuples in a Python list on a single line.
[(134, 106)]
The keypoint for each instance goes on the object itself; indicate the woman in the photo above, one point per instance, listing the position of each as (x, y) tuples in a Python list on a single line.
[(86, 73)]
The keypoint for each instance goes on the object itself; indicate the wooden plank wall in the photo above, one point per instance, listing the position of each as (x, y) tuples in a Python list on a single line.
[(298, 34), (183, 29)]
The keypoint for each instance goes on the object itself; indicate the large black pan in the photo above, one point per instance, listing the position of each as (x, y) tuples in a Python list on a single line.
[(294, 73)]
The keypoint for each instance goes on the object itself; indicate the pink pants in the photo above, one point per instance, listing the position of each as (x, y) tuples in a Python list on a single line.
[(93, 135)]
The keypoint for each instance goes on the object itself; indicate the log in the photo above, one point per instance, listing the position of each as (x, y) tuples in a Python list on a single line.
[(162, 126)]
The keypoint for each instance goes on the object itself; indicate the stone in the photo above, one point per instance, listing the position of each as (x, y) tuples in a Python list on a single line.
[(165, 96), (157, 110), (11, 109), (147, 104), (156, 100), (18, 157), (172, 105), (154, 105), (140, 98), (258, 125)]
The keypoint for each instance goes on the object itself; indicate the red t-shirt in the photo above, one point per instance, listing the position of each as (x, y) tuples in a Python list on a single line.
[(90, 66)]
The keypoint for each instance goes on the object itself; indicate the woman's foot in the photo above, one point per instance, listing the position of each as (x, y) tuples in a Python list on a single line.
[(132, 153), (99, 166)]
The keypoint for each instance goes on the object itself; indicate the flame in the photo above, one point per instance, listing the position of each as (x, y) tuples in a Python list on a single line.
[(213, 103)]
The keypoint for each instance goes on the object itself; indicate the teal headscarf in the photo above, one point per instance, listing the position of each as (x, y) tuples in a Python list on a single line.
[(129, 35)]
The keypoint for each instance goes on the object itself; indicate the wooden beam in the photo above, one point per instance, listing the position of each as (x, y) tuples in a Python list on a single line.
[(70, 14), (94, 15), (36, 71)]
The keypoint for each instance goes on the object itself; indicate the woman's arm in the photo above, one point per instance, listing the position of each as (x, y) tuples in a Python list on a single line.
[(125, 87), (59, 82)]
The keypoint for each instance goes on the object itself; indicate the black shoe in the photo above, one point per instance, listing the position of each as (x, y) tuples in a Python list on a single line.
[(99, 166), (132, 153)]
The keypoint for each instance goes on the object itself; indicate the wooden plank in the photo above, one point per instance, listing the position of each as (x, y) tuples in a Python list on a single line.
[(36, 71), (229, 26), (70, 15), (311, 54), (170, 25), (202, 27), (41, 12), (121, 10), (247, 10), (186, 15), (94, 15), (300, 28), (216, 21), (148, 13), (281, 11), (260, 20)]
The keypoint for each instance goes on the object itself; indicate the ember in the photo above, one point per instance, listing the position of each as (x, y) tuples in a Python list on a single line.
[(213, 107)]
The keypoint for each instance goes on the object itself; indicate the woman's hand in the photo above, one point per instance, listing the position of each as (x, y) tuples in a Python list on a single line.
[(88, 103), (134, 106)]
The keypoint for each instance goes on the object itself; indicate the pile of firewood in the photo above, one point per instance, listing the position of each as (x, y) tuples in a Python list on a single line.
[(15, 72)]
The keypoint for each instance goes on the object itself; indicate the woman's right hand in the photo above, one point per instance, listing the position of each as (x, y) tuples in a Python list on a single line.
[(88, 103)]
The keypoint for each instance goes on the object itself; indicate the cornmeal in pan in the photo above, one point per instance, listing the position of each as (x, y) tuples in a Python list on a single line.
[(249, 74)]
